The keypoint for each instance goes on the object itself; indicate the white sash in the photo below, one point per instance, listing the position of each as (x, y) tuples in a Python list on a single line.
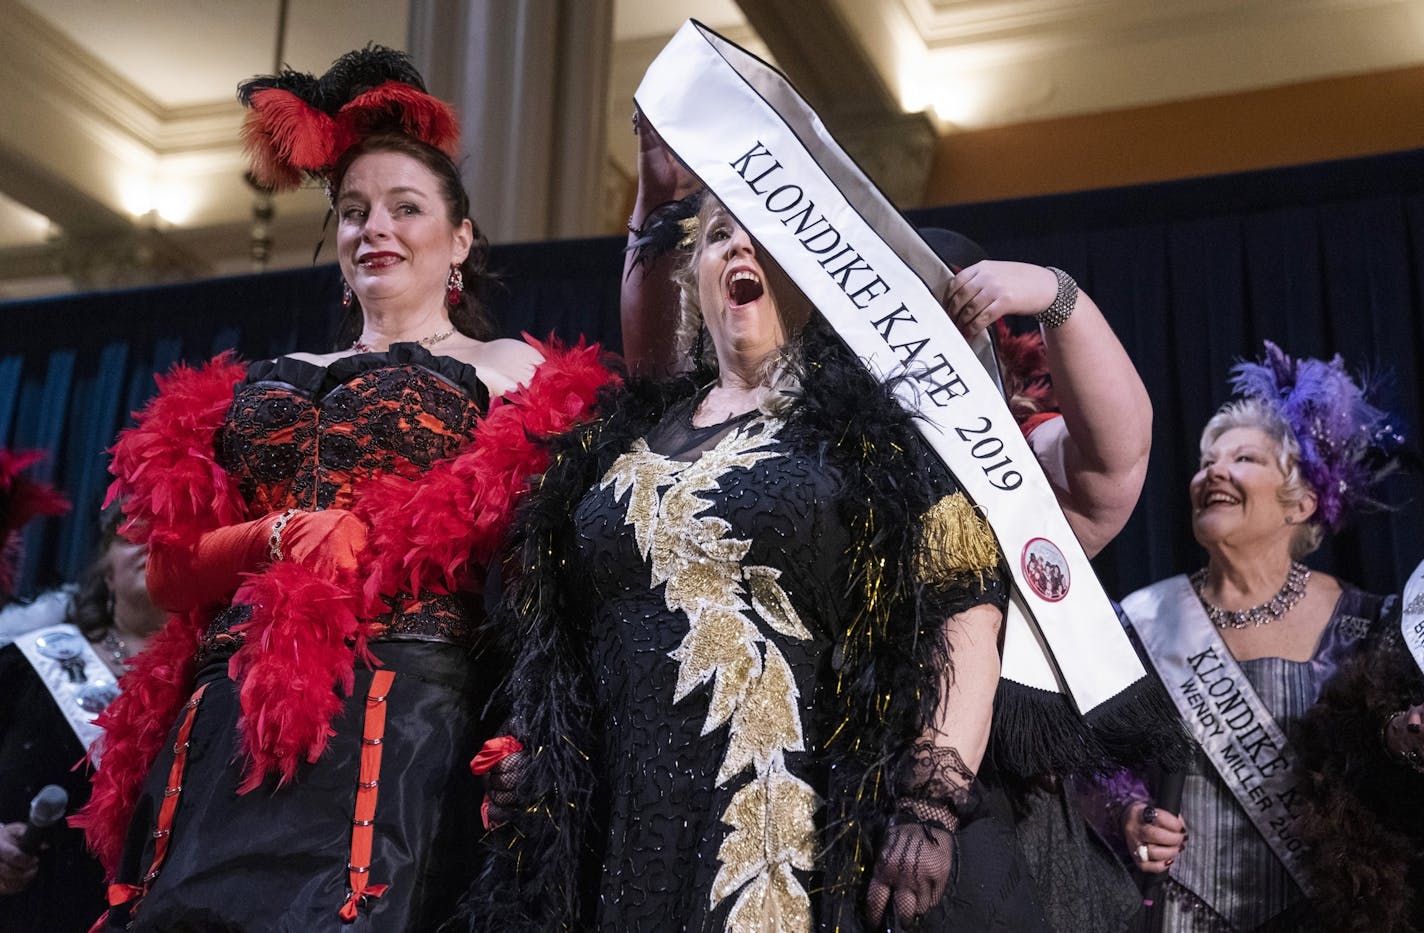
[(1411, 616), (82, 686), (755, 143), (1225, 716)]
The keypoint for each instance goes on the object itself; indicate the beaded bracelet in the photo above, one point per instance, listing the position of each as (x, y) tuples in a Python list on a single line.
[(1061, 308), (274, 539)]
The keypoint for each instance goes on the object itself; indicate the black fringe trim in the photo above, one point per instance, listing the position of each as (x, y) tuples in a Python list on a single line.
[(1039, 732), (1140, 727)]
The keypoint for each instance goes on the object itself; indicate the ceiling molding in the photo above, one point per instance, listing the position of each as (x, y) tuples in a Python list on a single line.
[(988, 63), (50, 195), (36, 52), (87, 80), (948, 23), (91, 133)]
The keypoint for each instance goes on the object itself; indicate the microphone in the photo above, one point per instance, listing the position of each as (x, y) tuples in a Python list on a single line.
[(46, 810), (1169, 796)]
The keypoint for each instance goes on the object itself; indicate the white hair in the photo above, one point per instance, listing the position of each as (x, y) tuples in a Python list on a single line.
[(1257, 414)]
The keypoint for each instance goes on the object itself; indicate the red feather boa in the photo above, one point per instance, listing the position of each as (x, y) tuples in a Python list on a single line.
[(135, 727), (172, 490), (305, 634), (294, 668), (1023, 364), (22, 498), (166, 465)]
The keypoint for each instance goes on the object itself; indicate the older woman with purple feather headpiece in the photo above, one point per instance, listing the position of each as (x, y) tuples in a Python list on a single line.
[(1247, 644)]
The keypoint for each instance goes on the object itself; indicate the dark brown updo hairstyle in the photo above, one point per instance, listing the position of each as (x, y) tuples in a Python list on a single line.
[(92, 608), (470, 316)]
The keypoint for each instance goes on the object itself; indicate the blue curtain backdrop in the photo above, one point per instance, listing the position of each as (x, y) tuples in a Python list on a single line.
[(1193, 275)]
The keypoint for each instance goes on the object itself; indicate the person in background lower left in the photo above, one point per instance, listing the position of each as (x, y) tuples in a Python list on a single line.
[(55, 678)]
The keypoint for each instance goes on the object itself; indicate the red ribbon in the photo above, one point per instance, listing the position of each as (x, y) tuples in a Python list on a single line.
[(357, 898), (493, 752)]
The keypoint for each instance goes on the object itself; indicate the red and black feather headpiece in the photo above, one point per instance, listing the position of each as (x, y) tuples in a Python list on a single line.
[(21, 499), (300, 124)]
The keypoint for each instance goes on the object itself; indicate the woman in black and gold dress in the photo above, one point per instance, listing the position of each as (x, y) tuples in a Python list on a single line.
[(733, 666), (290, 753)]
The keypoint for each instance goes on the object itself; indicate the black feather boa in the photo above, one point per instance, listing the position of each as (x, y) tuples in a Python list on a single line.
[(888, 657)]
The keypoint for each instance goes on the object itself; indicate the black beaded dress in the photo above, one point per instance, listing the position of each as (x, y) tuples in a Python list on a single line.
[(711, 555), (276, 858), (717, 569)]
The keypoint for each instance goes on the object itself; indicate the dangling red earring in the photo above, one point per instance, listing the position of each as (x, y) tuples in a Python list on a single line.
[(345, 294), (454, 286)]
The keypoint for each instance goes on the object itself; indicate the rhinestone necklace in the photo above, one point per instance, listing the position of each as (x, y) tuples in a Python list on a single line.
[(118, 649), (430, 341), (1269, 611)]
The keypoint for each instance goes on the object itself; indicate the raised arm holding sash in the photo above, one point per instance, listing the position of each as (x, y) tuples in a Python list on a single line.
[(745, 132), (777, 681)]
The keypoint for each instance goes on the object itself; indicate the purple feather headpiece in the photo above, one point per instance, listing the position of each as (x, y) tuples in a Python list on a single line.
[(1345, 442)]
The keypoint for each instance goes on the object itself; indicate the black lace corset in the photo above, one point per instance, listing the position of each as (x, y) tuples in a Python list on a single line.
[(299, 435)]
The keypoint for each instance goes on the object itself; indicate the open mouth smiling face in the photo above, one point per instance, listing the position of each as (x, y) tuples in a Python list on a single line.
[(1239, 485), (1217, 497), (739, 306), (743, 287)]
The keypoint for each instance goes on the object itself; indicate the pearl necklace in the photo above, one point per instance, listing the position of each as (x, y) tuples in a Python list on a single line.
[(1272, 609), (430, 341)]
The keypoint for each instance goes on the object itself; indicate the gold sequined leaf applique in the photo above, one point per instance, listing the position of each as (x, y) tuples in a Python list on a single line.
[(644, 474), (766, 723), (723, 551), (719, 647), (752, 686), (772, 828), (770, 602), (698, 586), (954, 540), (772, 902)]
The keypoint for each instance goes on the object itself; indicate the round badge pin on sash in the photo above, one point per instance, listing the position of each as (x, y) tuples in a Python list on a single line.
[(1411, 621), (59, 645), (1046, 570)]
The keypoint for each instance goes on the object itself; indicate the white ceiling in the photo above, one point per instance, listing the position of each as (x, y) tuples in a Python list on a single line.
[(116, 107)]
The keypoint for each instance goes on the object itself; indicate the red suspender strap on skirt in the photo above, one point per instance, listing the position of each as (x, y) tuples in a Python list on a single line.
[(368, 784)]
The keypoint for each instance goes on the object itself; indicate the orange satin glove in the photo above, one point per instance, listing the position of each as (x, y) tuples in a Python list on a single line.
[(207, 574)]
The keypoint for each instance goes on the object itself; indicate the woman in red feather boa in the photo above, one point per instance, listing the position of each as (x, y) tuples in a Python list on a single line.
[(290, 753)]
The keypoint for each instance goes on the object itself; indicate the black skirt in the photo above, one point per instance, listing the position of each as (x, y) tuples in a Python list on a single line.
[(275, 858)]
